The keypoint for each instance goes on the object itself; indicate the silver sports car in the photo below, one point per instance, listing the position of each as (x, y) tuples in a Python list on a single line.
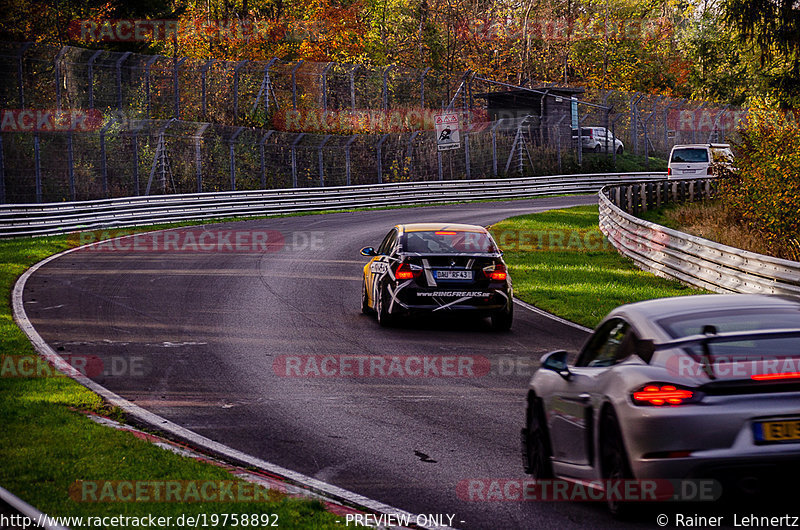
[(704, 386)]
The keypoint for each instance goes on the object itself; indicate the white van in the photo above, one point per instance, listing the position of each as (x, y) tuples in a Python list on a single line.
[(594, 139), (696, 160)]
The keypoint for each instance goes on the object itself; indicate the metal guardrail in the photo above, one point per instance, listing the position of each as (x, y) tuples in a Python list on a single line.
[(693, 260), (56, 218)]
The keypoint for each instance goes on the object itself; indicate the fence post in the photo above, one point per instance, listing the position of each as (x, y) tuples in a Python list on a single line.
[(198, 156), (294, 83), (160, 156), (176, 96), (57, 70), (203, 72), (263, 158), (321, 165), (232, 156), (494, 147), (347, 157), (325, 86), (353, 87), (410, 152), (380, 161), (236, 88), (294, 158), (385, 91), (20, 81), (422, 87), (147, 66), (71, 167), (119, 78), (37, 167), (2, 174), (439, 159), (103, 161), (90, 73)]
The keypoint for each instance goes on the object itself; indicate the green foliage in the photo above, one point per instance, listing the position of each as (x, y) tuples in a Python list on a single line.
[(765, 191)]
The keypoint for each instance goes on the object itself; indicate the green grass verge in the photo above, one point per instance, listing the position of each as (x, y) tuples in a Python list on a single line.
[(46, 444), (560, 262)]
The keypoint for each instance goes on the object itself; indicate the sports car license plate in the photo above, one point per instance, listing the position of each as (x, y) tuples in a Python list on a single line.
[(452, 275), (766, 432)]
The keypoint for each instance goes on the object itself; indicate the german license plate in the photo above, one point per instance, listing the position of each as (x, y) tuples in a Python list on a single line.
[(768, 432), (452, 275)]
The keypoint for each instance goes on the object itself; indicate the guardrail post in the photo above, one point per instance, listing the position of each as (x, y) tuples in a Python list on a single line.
[(294, 158), (57, 70), (263, 158), (2, 174), (319, 156), (71, 167), (147, 66), (380, 161), (37, 167), (119, 78), (232, 156), (90, 74), (294, 83), (176, 96), (347, 158), (198, 156), (236, 88), (203, 73), (422, 87)]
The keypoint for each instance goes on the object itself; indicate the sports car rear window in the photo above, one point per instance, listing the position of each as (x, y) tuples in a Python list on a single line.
[(737, 321), (449, 242), (690, 155)]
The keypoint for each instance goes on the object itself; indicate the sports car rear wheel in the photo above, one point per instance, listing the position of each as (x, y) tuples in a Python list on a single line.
[(382, 303), (614, 461), (502, 320), (537, 443)]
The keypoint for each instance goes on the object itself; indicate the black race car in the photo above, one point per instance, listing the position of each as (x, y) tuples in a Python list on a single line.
[(436, 268)]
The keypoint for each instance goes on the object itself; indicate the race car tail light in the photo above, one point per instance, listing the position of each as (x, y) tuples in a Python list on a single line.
[(660, 394), (775, 377), (405, 272), (496, 272)]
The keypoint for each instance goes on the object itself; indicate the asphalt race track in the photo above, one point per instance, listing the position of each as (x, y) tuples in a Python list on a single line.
[(196, 338)]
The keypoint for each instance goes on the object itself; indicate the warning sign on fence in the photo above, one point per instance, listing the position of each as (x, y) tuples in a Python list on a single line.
[(447, 133)]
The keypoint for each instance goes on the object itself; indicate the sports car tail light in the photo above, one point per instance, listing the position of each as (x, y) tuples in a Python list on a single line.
[(496, 272), (659, 394), (405, 272)]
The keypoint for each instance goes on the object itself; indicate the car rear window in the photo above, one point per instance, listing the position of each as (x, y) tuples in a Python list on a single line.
[(738, 321), (690, 155), (449, 242)]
